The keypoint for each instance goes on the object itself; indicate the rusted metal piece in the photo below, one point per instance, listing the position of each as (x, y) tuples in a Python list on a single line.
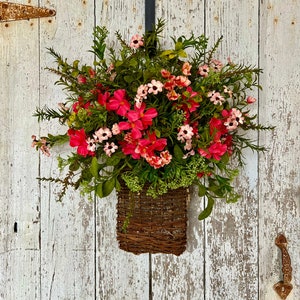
[(283, 288), (14, 11)]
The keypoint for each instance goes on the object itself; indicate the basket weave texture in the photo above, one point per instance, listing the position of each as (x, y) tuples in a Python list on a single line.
[(156, 225)]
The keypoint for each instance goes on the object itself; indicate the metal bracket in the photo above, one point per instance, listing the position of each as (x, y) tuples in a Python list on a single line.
[(283, 288), (13, 12)]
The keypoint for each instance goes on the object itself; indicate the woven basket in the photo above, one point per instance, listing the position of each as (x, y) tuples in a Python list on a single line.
[(155, 225)]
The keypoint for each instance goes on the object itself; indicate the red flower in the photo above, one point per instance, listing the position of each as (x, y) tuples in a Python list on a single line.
[(135, 126), (78, 139), (147, 147), (217, 150), (102, 98), (217, 129), (129, 146), (119, 103), (145, 116), (80, 104)]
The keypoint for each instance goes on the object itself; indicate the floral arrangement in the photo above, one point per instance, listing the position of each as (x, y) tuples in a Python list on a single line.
[(153, 118)]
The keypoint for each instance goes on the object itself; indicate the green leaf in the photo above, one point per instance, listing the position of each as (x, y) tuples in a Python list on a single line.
[(157, 133), (207, 211), (108, 186), (166, 52), (182, 53), (128, 78), (178, 152), (113, 160), (201, 190), (94, 168), (178, 46), (99, 190)]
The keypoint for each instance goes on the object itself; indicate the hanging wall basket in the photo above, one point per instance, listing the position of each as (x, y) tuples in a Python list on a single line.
[(154, 225)]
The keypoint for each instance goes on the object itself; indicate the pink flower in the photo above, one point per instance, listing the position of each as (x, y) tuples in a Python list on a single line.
[(91, 145), (186, 69), (136, 41), (172, 95), (165, 74), (203, 70), (182, 81), (185, 133), (159, 161), (227, 91), (141, 94), (102, 134), (234, 119), (237, 115), (154, 161), (81, 79), (216, 98), (115, 129), (166, 157), (188, 145), (216, 65), (119, 103), (188, 154), (250, 99), (154, 87), (110, 148), (231, 124)]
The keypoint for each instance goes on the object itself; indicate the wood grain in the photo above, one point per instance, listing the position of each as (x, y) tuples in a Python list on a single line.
[(69, 250)]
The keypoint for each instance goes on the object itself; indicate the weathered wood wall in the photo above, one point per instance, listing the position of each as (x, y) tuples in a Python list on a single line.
[(68, 250)]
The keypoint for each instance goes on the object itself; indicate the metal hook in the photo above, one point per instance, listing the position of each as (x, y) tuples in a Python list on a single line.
[(14, 11), (283, 288)]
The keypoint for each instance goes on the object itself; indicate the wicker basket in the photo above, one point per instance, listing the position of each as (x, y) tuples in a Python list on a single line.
[(155, 225)]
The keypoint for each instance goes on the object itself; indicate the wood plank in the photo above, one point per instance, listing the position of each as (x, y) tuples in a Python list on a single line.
[(232, 230), (182, 277), (279, 168), (19, 247), (67, 228), (120, 275)]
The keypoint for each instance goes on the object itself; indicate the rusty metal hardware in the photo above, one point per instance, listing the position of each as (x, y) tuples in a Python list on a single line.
[(283, 288), (14, 11)]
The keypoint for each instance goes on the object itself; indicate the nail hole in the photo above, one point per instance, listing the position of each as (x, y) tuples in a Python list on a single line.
[(16, 227)]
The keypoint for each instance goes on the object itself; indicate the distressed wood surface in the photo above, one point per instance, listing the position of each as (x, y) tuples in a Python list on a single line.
[(231, 233), (19, 193), (67, 228), (279, 192), (120, 275), (182, 277), (68, 250)]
